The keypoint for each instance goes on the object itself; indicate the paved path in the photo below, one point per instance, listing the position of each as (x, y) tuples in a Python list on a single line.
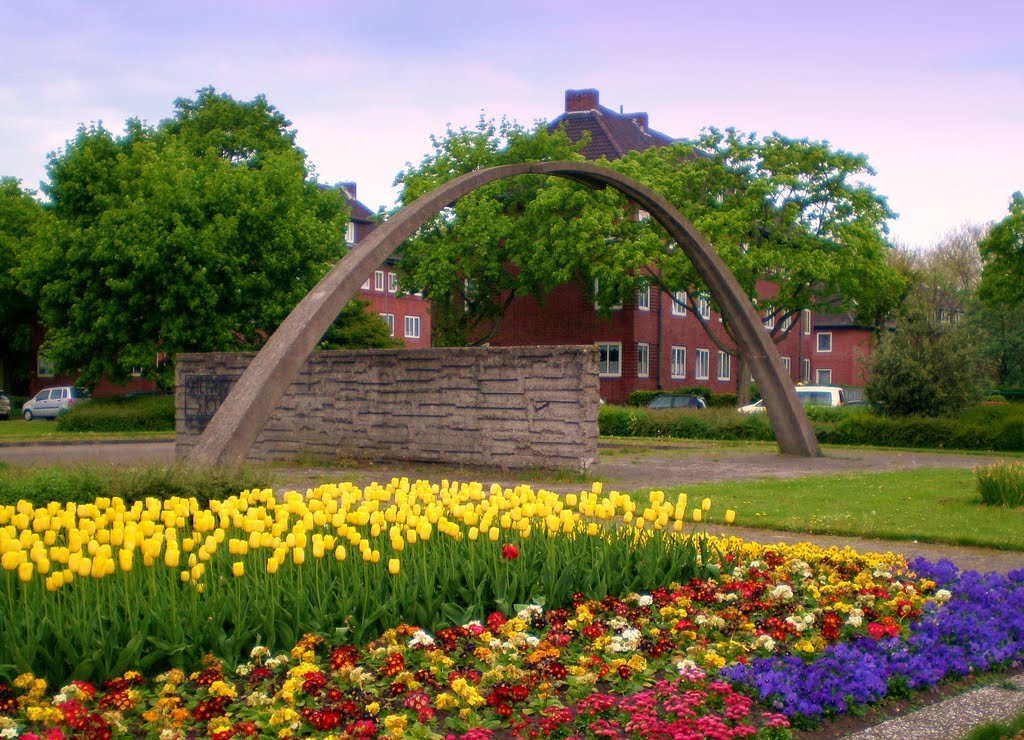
[(114, 453)]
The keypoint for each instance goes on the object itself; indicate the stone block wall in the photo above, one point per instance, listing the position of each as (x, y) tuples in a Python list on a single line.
[(510, 407)]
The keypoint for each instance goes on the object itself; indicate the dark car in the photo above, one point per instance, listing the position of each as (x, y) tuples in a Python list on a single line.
[(678, 402)]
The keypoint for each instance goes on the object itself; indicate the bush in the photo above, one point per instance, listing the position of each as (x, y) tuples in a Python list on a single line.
[(925, 368), (983, 427), (122, 414), (1001, 484), (642, 398), (722, 401), (84, 484)]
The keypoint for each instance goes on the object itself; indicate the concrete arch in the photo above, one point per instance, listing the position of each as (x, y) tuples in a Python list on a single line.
[(233, 429)]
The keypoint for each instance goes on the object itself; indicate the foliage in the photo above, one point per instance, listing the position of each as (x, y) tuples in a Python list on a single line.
[(84, 484), (123, 414), (25, 226), (925, 367), (978, 428), (199, 234), (357, 328), (1001, 484), (787, 210), (1002, 279)]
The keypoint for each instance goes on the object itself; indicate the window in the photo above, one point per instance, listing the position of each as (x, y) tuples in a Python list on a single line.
[(643, 215), (823, 376), (704, 305), (412, 327), (805, 371), (350, 233), (610, 362), (788, 322), (724, 365), (679, 303), (769, 318), (805, 316), (366, 285), (702, 368), (378, 280), (392, 282), (786, 364), (389, 319), (643, 360), (643, 298), (679, 362), (824, 341), (136, 372), (44, 369)]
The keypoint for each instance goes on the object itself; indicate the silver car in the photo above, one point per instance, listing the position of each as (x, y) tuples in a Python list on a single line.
[(50, 403), (5, 407)]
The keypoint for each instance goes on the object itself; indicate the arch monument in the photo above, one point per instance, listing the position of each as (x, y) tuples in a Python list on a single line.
[(237, 423)]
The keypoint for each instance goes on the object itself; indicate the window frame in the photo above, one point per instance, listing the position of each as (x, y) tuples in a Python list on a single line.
[(44, 368), (805, 370), (679, 303), (702, 369), (350, 233), (414, 321), (389, 319), (605, 349), (678, 362), (820, 374), (643, 360), (643, 298), (724, 361), (704, 306), (392, 281), (378, 281), (787, 364), (817, 342)]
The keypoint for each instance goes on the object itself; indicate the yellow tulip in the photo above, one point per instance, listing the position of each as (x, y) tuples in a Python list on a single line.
[(339, 553), (298, 556), (393, 566), (272, 566), (706, 504), (238, 569), (473, 534), (730, 516), (25, 571), (697, 514)]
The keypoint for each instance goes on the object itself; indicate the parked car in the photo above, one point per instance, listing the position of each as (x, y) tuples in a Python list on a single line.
[(677, 402), (50, 403), (5, 407), (810, 395)]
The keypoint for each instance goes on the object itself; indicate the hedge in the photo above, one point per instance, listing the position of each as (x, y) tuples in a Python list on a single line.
[(715, 400), (122, 414), (997, 428)]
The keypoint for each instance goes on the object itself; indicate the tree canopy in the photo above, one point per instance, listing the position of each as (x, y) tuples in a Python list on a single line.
[(1002, 251), (793, 212), (199, 234), (24, 226)]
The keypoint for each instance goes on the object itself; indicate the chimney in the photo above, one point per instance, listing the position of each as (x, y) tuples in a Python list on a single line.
[(349, 188), (640, 119), (581, 100)]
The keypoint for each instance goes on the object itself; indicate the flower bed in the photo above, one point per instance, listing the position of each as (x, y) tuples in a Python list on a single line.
[(768, 636)]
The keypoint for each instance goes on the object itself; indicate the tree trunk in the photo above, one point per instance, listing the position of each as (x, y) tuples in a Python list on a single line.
[(742, 381)]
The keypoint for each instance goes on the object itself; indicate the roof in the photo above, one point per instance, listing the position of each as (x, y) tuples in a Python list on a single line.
[(358, 212), (611, 134)]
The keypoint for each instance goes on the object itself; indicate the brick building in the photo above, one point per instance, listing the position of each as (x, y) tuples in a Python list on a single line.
[(655, 343)]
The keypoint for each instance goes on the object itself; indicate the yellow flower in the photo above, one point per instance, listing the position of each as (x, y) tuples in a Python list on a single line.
[(697, 514), (730, 516), (393, 566), (238, 569)]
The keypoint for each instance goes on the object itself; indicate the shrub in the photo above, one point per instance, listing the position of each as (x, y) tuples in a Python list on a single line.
[(642, 398), (122, 414), (83, 484), (722, 401), (1001, 484), (715, 400)]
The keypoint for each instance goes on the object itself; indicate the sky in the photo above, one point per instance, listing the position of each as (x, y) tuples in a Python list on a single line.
[(932, 92)]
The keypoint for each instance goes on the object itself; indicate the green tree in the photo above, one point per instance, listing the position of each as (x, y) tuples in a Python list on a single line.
[(789, 211), (200, 234), (1002, 252), (358, 328), (24, 225), (925, 367)]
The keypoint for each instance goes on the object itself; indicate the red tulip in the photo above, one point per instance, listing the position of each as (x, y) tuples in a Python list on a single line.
[(509, 551)]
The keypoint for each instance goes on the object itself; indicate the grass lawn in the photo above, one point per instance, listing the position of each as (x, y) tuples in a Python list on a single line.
[(39, 430), (925, 505)]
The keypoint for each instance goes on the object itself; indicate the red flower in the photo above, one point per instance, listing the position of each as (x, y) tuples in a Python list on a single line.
[(509, 551)]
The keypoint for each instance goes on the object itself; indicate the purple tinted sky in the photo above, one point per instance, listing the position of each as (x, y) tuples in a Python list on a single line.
[(932, 92)]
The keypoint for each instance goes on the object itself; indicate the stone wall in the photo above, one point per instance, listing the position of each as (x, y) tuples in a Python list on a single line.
[(511, 407)]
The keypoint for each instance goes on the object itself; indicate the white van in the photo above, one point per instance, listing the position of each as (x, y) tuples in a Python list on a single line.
[(810, 395)]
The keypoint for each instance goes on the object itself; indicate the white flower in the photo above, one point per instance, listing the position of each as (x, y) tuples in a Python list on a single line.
[(259, 652), (420, 638), (855, 618), (942, 596), (782, 591), (530, 611), (9, 732), (645, 600), (764, 642)]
